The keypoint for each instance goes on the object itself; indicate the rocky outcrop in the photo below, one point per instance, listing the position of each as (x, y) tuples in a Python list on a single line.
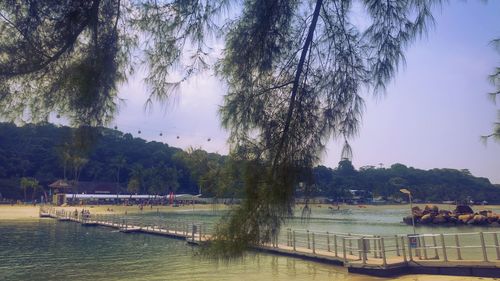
[(431, 215), (463, 210)]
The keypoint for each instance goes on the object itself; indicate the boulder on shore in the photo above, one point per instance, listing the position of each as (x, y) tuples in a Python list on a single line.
[(426, 218), (465, 218), (431, 209), (461, 215), (479, 219), (407, 220), (416, 211), (492, 217), (463, 210), (439, 219)]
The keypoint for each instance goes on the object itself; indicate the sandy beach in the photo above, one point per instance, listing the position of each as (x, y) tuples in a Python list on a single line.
[(19, 212), (30, 212)]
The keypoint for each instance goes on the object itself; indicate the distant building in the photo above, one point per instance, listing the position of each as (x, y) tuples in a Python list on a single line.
[(60, 188), (379, 200), (359, 196), (314, 200)]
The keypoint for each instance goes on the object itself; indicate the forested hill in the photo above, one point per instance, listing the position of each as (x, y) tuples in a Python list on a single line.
[(47, 152), (435, 185)]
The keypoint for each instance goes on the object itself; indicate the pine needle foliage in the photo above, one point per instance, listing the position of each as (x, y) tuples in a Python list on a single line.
[(495, 81), (66, 56), (294, 69)]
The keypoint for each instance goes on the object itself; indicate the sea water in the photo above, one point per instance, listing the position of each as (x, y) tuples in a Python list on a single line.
[(46, 249), (51, 250)]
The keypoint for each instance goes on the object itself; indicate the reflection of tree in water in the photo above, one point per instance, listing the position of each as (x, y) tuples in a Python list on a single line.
[(290, 265), (275, 265), (306, 213)]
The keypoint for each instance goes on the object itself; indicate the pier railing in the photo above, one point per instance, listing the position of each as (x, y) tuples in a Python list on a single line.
[(349, 248), (475, 246), (396, 249)]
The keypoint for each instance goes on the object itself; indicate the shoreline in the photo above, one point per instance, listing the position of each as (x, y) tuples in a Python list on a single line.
[(30, 212)]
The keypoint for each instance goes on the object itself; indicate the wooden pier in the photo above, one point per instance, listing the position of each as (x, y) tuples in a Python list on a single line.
[(465, 254)]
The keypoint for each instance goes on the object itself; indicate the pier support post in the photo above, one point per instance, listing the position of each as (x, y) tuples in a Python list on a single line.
[(328, 241), (403, 248), (314, 244), (308, 241), (200, 231), (194, 232), (335, 245), (457, 244), (350, 244), (382, 246), (424, 246), (483, 246), (434, 242), (443, 245), (293, 234), (397, 245), (363, 250), (497, 247), (410, 253), (344, 252)]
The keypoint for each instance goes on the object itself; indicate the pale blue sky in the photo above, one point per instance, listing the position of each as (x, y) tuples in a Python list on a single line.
[(432, 115)]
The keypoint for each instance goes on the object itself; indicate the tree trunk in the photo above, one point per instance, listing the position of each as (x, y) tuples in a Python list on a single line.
[(296, 82)]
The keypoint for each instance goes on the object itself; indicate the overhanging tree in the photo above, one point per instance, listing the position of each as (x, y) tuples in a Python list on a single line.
[(294, 70), (495, 81)]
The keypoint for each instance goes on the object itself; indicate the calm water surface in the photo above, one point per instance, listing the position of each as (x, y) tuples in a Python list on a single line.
[(379, 221), (48, 250)]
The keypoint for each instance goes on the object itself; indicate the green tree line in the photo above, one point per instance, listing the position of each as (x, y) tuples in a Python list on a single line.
[(434, 185), (45, 153)]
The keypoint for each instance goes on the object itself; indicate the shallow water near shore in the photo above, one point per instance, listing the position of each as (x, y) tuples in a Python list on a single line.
[(51, 250), (352, 219), (45, 249)]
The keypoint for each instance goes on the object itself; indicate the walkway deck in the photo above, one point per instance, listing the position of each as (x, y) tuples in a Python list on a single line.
[(467, 254)]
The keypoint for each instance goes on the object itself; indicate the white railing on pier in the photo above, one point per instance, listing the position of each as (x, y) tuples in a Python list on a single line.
[(350, 248), (396, 249)]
